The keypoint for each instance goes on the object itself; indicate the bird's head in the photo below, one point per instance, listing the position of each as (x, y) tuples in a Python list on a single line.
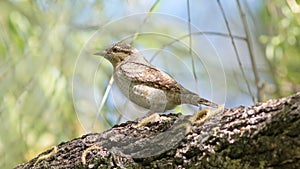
[(117, 53)]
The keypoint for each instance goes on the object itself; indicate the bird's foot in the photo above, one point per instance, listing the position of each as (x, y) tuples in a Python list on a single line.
[(152, 118), (205, 114)]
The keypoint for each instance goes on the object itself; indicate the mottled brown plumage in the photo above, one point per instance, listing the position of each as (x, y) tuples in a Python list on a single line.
[(146, 85)]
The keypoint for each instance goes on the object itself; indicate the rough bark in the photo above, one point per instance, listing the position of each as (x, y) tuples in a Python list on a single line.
[(265, 135)]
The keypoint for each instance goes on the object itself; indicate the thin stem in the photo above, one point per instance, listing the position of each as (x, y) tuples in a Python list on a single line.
[(187, 35), (250, 48), (190, 43), (235, 50), (144, 21), (107, 90)]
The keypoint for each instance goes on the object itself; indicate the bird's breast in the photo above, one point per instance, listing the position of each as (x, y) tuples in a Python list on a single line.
[(146, 96)]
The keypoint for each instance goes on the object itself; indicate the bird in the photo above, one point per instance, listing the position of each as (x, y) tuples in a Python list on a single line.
[(146, 85)]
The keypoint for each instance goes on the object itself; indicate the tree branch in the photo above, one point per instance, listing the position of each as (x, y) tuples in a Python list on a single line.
[(265, 135)]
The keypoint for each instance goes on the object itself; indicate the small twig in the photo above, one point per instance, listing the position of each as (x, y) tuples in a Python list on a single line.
[(137, 33), (107, 90), (194, 33), (235, 50), (250, 48), (190, 43)]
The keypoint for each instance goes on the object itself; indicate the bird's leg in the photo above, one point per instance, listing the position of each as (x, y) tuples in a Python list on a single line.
[(158, 103), (151, 117)]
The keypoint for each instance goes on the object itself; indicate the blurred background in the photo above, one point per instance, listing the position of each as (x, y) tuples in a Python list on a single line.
[(51, 84)]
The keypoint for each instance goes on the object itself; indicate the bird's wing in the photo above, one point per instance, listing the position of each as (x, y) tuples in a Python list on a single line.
[(143, 73)]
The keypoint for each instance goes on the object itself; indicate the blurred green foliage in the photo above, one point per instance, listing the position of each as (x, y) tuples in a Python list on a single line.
[(37, 55), (282, 41)]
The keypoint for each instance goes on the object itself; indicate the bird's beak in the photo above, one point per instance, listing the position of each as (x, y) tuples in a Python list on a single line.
[(103, 53)]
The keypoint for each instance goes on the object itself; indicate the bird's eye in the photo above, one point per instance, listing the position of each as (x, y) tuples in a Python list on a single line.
[(114, 50)]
